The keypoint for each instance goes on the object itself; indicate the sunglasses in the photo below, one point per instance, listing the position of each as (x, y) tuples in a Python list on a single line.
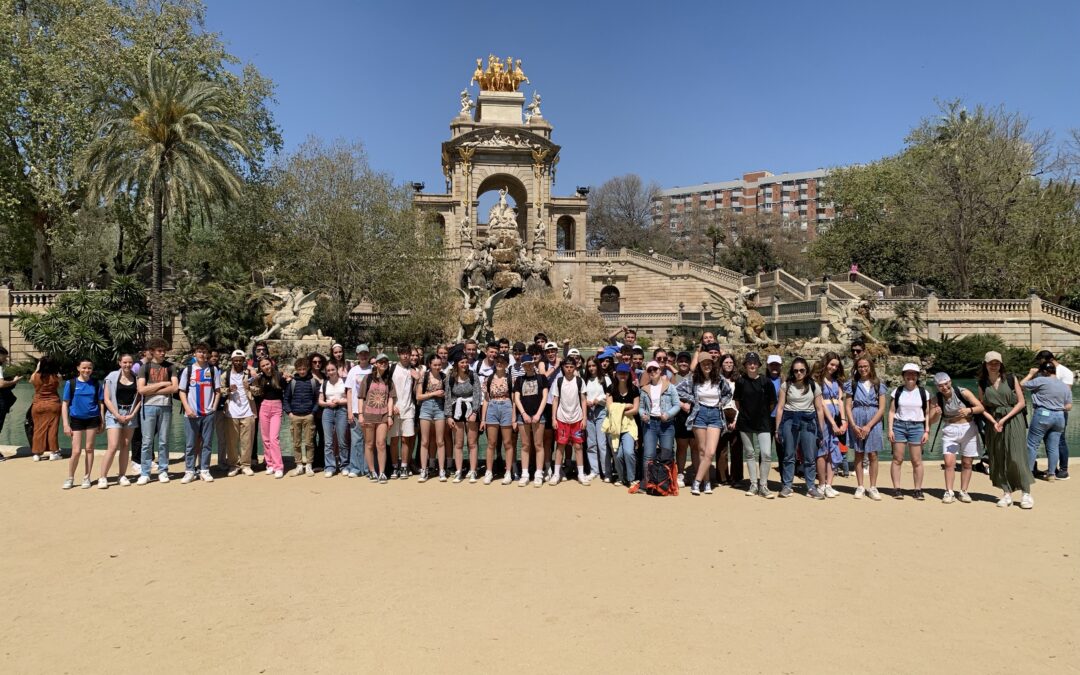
[(799, 371)]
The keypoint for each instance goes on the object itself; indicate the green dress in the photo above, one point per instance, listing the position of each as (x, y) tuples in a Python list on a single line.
[(1009, 468)]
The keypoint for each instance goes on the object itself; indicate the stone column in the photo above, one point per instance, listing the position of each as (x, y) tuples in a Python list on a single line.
[(933, 318), (1035, 322), (823, 316)]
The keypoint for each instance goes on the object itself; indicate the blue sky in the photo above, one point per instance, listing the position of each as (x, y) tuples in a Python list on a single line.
[(679, 93)]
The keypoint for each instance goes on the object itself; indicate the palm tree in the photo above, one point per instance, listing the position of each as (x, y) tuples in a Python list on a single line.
[(169, 141)]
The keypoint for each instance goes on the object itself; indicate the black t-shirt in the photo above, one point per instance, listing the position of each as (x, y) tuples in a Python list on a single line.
[(632, 392), (531, 388), (756, 399)]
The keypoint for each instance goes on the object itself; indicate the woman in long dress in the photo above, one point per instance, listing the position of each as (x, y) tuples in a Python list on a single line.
[(1006, 433)]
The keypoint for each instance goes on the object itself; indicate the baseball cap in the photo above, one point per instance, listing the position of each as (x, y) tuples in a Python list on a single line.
[(711, 347), (622, 368), (239, 353), (362, 348), (573, 352), (550, 345), (652, 364), (638, 348), (912, 367), (684, 356), (382, 357), (527, 358), (993, 356), (752, 357), (942, 378), (774, 358)]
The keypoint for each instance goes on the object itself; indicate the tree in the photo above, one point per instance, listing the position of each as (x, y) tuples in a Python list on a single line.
[(170, 141), (60, 63), (346, 229), (98, 325), (224, 312), (621, 215)]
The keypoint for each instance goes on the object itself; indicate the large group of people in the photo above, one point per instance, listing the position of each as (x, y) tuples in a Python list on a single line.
[(550, 414)]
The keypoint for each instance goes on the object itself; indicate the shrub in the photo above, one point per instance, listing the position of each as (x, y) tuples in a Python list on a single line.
[(963, 357), (521, 317)]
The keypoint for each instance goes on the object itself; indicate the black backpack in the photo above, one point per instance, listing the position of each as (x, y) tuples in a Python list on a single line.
[(580, 384), (900, 390), (660, 478), (69, 388)]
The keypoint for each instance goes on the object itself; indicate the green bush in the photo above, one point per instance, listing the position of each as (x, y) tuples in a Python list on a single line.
[(963, 357)]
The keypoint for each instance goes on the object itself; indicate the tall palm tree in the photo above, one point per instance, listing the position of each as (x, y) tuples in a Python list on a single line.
[(168, 141)]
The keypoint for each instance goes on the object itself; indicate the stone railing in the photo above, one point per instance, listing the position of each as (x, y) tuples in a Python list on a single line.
[(21, 300), (659, 263), (1064, 313), (779, 280), (803, 308), (983, 306)]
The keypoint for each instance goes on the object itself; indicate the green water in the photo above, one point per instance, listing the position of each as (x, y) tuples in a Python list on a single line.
[(12, 433)]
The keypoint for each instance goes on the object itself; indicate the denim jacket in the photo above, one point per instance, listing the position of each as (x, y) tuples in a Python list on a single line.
[(687, 392), (669, 402)]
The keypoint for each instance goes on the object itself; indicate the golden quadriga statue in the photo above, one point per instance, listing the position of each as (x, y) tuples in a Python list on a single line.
[(499, 76)]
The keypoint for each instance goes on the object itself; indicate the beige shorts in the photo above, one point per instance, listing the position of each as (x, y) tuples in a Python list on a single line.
[(403, 426)]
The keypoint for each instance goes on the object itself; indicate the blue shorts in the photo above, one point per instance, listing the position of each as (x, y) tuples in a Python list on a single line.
[(709, 418), (499, 413), (432, 410), (111, 423), (543, 419), (908, 432)]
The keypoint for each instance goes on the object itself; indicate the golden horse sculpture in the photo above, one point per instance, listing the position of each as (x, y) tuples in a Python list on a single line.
[(499, 76)]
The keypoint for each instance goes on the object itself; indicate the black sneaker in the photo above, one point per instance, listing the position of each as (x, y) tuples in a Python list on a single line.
[(918, 495), (373, 477), (1062, 474), (395, 474), (382, 478), (1038, 473)]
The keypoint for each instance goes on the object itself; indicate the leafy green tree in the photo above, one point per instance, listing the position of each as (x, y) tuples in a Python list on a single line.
[(226, 311), (170, 141), (750, 255), (96, 324)]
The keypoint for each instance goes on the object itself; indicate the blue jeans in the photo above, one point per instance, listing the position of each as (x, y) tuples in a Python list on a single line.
[(357, 459), (199, 427), (658, 433), (596, 448), (1063, 448), (1048, 425), (334, 423), (626, 461), (155, 422), (797, 430)]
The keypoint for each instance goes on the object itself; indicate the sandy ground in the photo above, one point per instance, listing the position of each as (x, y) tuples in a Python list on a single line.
[(315, 575)]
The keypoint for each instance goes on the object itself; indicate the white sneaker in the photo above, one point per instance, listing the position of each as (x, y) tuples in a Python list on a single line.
[(964, 497), (308, 471), (874, 494), (37, 458), (695, 489), (247, 471), (1005, 501), (859, 492), (538, 481), (508, 478), (442, 476), (279, 474), (188, 477), (103, 483), (524, 480), (752, 491), (1027, 501), (831, 492), (123, 482), (584, 479), (488, 477), (458, 477), (472, 476), (86, 482), (555, 479), (607, 479), (68, 484), (143, 480), (947, 498), (163, 477), (681, 480), (298, 471), (708, 488), (55, 457), (206, 477)]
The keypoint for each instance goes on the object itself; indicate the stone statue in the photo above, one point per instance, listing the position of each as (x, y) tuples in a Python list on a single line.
[(849, 321), (501, 214), (466, 230), (533, 109), (290, 315), (467, 104), (477, 316), (540, 234), (567, 292), (609, 270), (741, 321)]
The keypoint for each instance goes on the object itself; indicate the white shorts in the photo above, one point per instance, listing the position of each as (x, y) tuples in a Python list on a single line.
[(403, 426), (960, 438)]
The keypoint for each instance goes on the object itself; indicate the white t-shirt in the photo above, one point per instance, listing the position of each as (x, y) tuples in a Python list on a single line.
[(238, 406), (911, 406), (352, 381), (708, 394), (1065, 375), (334, 391), (404, 386), (569, 410), (655, 392), (594, 391)]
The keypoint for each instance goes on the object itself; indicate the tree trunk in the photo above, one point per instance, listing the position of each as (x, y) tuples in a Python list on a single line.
[(157, 318)]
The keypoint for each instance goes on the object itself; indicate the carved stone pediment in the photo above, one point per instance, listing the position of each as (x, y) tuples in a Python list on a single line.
[(504, 139)]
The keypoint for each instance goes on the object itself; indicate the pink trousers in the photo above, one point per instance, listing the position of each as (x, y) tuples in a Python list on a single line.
[(270, 429)]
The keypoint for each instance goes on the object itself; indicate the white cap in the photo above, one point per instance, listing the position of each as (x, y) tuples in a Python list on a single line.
[(550, 345), (238, 353), (911, 366), (773, 358), (573, 352)]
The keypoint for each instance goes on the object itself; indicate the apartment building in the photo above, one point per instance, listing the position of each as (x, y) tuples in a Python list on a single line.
[(792, 196)]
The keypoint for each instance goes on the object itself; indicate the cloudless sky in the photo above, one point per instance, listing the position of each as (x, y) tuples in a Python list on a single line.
[(677, 92)]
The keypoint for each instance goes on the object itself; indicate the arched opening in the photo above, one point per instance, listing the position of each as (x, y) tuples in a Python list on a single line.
[(438, 229), (564, 233), (487, 196), (609, 299)]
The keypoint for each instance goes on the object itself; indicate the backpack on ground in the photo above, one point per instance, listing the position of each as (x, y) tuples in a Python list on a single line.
[(661, 478)]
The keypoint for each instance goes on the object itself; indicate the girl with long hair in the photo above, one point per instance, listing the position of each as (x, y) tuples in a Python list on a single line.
[(318, 373), (828, 373), (45, 410), (799, 412), (1006, 437), (430, 395), (909, 428), (375, 402), (498, 417), (462, 408), (623, 398), (269, 389), (122, 403), (333, 400), (729, 449), (865, 396), (596, 385), (708, 393)]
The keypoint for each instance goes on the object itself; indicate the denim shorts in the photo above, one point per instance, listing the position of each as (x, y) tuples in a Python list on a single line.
[(111, 423), (432, 410), (708, 418), (499, 413), (543, 419), (908, 432)]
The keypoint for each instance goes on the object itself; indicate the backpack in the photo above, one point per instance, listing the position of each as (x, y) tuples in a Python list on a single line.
[(69, 388), (900, 390), (660, 476)]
